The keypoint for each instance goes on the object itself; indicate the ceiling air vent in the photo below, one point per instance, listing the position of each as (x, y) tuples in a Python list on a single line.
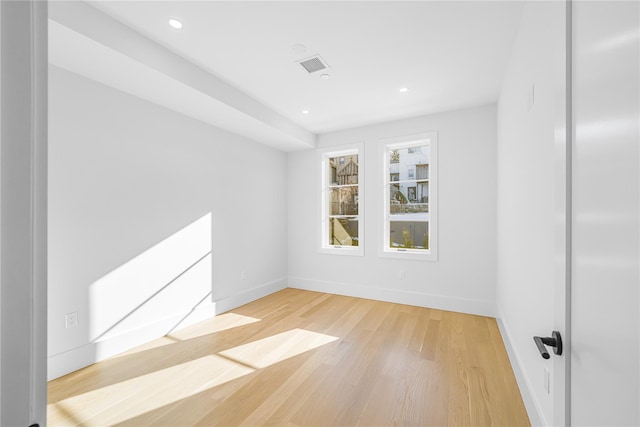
[(313, 64)]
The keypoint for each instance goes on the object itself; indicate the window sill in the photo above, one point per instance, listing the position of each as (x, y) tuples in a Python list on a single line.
[(409, 255), (345, 250)]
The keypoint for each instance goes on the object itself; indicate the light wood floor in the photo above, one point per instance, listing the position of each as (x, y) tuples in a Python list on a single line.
[(298, 358)]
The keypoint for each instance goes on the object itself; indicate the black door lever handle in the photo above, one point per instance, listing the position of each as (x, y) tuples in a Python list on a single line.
[(553, 341)]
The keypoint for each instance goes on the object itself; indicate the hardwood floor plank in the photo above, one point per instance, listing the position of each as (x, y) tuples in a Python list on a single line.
[(299, 358)]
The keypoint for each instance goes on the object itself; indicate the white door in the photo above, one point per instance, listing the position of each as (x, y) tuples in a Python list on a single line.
[(605, 323)]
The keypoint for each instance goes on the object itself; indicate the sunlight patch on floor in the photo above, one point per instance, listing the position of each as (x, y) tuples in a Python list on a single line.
[(160, 342), (121, 401), (267, 351), (219, 323), (128, 399)]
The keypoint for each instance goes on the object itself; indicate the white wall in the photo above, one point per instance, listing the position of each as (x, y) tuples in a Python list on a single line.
[(139, 197), (525, 292), (463, 278)]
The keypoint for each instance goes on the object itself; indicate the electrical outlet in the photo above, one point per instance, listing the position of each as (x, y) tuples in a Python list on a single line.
[(243, 275), (547, 380), (401, 275), (71, 320)]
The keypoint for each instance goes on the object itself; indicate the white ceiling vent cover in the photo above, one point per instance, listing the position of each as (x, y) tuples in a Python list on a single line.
[(313, 64)]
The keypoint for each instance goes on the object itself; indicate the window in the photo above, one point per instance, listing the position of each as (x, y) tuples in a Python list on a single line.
[(342, 198), (409, 229)]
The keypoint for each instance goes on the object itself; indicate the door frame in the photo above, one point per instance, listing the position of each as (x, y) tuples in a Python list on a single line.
[(563, 139), (23, 212)]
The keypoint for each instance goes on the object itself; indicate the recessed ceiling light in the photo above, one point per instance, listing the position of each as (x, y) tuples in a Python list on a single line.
[(175, 23), (325, 76), (305, 111), (404, 89)]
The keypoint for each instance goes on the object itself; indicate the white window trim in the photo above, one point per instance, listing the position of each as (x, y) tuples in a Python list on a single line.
[(323, 157), (403, 142)]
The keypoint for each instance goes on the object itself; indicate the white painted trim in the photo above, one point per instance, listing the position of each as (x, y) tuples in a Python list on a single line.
[(440, 302), (0, 219), (229, 303), (563, 142), (80, 357), (534, 410), (407, 141), (39, 201), (24, 222), (323, 155)]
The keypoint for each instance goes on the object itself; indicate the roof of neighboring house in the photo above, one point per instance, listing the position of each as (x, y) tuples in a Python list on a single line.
[(350, 168)]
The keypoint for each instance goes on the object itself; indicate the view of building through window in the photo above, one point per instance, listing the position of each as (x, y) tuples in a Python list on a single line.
[(407, 213), (343, 208), (409, 199)]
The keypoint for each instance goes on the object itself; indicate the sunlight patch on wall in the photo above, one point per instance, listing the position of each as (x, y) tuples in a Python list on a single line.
[(168, 279)]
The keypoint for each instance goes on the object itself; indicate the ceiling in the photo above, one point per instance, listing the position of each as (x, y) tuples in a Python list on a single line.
[(448, 54)]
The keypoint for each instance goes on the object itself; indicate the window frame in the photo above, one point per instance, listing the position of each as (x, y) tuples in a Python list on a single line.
[(324, 155), (386, 146)]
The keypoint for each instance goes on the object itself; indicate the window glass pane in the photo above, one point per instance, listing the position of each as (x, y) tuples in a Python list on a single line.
[(394, 157), (409, 234), (343, 201), (407, 198), (404, 161), (343, 170), (343, 231)]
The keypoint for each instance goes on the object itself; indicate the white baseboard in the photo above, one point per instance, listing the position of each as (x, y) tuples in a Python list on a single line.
[(229, 303), (534, 410), (80, 357), (440, 302), (72, 360)]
